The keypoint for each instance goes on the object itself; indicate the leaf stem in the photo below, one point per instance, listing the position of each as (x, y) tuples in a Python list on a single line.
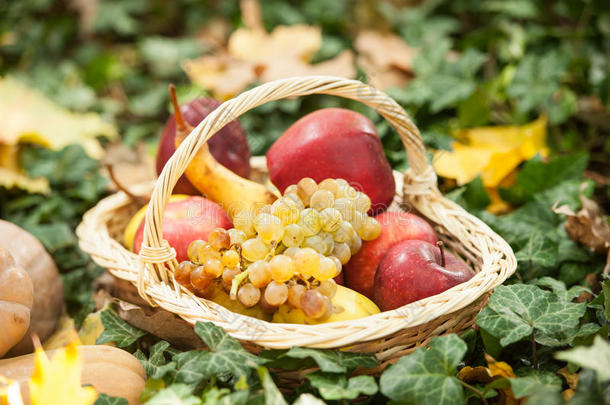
[(534, 351), (477, 392)]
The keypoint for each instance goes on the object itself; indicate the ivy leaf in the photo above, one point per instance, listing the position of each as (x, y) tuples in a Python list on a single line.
[(330, 361), (337, 386), (515, 312), (537, 176), (537, 78), (273, 396), (427, 376), (175, 394), (155, 360), (308, 399), (533, 383), (560, 289), (104, 399), (538, 251), (117, 330), (595, 357)]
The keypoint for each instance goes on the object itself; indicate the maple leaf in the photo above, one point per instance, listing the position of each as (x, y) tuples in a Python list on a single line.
[(58, 380)]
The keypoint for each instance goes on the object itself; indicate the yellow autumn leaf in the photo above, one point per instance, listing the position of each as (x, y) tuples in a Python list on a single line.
[(10, 179), (491, 152), (10, 393), (92, 328), (64, 334), (28, 116), (58, 381)]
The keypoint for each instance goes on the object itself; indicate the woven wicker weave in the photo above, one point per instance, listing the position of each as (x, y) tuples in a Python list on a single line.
[(388, 334)]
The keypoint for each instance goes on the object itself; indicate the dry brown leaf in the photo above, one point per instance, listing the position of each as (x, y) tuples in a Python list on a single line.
[(131, 166), (254, 55), (477, 374), (132, 309), (589, 226), (386, 58)]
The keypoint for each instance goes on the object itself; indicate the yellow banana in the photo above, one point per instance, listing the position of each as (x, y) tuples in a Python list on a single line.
[(348, 303)]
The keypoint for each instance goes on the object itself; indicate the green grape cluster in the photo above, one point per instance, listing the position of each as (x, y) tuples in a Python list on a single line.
[(288, 251)]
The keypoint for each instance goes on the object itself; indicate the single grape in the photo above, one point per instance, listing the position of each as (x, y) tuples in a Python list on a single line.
[(183, 272), (294, 295), (346, 208), (338, 266), (330, 185), (307, 261), (357, 220), (276, 293), (328, 308), (291, 189), (269, 228), (328, 288), (237, 237), (248, 295), (347, 192), (230, 258), (305, 189), (362, 202), (193, 250), (330, 219), (227, 277), (259, 273), (329, 242), (219, 239), (199, 279), (341, 183), (213, 268), (370, 229), (286, 210), (296, 199), (254, 249), (291, 251), (344, 233), (265, 306), (293, 235), (312, 304), (206, 253), (322, 199), (316, 243), (310, 221), (342, 252), (243, 221), (355, 244), (326, 270), (282, 268)]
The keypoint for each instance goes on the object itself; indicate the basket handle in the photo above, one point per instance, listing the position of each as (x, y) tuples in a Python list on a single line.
[(419, 179)]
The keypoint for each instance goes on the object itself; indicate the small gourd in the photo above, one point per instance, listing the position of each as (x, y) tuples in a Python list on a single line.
[(16, 301)]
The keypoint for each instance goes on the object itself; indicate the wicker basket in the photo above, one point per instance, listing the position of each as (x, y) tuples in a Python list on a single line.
[(388, 334)]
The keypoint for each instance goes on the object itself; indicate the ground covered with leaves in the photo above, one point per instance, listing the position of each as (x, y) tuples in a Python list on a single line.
[(522, 88)]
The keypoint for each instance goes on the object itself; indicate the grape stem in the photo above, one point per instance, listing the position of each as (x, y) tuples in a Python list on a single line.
[(440, 245), (236, 282)]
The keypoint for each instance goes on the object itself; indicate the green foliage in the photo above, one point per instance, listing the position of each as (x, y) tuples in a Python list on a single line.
[(104, 399), (427, 376), (516, 312), (595, 357), (117, 330)]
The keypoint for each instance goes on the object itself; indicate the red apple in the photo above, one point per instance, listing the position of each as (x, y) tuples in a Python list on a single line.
[(186, 220), (228, 146), (413, 270), (333, 143), (359, 272)]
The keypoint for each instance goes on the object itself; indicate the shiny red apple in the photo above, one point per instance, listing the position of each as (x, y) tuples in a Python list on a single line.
[(185, 221), (412, 270), (228, 146), (359, 272), (333, 143)]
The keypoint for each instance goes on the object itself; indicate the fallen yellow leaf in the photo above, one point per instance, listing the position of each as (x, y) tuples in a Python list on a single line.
[(10, 394), (28, 116), (11, 179), (58, 381), (63, 335), (491, 152)]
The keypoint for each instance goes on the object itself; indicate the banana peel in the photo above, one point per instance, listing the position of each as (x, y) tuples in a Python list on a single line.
[(348, 305)]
